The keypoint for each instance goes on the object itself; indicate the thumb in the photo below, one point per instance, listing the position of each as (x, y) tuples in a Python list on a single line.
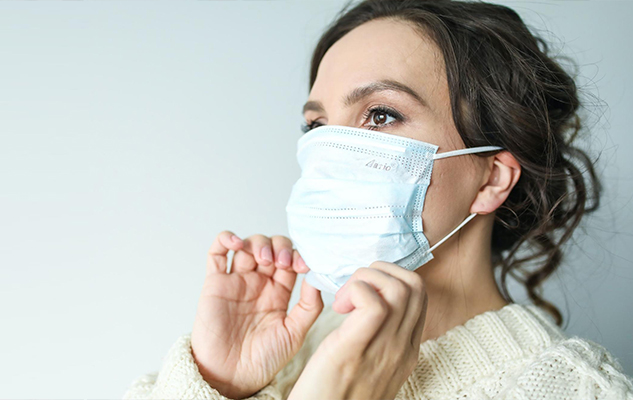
[(305, 312)]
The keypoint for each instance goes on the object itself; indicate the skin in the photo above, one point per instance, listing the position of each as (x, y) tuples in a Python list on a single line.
[(459, 279), (242, 336), (365, 358)]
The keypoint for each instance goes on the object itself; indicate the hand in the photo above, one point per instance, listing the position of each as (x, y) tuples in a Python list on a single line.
[(373, 352), (242, 335)]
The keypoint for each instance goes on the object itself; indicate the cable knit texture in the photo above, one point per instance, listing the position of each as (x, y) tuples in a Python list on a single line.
[(516, 352)]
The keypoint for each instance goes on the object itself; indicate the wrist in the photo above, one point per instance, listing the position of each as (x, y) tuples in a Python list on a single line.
[(321, 379), (225, 389)]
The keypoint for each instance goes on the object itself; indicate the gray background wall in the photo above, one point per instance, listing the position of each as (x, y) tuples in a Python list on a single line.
[(133, 132)]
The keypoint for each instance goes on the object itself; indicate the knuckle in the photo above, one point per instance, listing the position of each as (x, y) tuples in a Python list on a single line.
[(225, 232), (354, 285), (281, 238), (416, 307), (376, 264), (259, 236), (380, 308), (362, 271), (384, 309), (224, 235), (416, 282), (401, 290), (259, 240), (280, 241)]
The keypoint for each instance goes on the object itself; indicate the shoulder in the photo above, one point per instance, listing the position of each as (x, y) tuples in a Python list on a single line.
[(576, 367), (518, 352)]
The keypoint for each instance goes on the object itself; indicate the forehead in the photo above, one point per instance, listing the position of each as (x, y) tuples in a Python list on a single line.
[(381, 49)]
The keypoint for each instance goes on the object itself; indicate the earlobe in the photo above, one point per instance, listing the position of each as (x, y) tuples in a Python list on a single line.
[(502, 179)]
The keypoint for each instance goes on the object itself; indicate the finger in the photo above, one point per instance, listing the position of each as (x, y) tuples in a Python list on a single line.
[(282, 250), (397, 271), (243, 262), (416, 336), (216, 256), (303, 314), (370, 313), (416, 313), (415, 302), (260, 247), (298, 264), (284, 277), (391, 289)]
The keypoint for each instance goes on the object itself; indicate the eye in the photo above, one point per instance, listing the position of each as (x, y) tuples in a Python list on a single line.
[(305, 127), (380, 116)]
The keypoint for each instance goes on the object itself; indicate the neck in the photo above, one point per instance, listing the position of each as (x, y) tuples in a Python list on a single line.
[(459, 280)]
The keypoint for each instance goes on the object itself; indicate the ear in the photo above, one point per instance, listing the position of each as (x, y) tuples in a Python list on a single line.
[(503, 176)]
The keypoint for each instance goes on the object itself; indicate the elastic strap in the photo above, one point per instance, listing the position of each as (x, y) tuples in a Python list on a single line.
[(468, 150), (471, 216)]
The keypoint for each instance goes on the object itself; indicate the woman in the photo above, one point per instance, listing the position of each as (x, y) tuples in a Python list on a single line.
[(456, 75)]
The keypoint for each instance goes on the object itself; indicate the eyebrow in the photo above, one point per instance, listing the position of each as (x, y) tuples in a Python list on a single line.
[(362, 92)]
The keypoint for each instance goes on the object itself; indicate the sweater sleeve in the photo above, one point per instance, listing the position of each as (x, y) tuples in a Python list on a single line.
[(179, 377)]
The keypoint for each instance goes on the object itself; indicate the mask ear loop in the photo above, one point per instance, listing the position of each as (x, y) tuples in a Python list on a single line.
[(467, 150), (460, 152), (464, 222)]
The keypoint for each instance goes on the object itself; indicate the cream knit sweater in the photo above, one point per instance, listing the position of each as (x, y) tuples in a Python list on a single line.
[(516, 352)]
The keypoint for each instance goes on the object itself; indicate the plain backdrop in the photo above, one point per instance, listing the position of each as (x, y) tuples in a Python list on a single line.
[(132, 133)]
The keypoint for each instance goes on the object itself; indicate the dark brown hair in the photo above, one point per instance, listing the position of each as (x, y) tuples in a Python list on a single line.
[(505, 90)]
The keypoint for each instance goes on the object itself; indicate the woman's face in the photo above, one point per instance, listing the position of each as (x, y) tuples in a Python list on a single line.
[(404, 72)]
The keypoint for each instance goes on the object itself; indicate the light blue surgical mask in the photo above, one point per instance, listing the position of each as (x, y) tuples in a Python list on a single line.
[(360, 199)]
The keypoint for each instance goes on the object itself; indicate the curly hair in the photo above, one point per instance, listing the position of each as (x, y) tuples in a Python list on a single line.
[(505, 90)]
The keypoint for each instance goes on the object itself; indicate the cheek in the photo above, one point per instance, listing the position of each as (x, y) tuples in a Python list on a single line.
[(448, 197)]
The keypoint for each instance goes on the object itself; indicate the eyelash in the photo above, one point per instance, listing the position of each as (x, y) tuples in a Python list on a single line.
[(305, 127)]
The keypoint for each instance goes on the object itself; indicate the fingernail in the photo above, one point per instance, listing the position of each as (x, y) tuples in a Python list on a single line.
[(235, 239), (267, 253), (285, 258)]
